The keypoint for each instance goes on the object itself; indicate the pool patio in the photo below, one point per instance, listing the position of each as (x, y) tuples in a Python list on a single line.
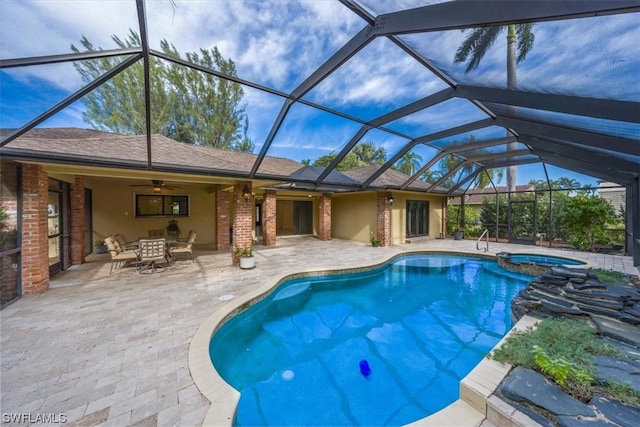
[(113, 349)]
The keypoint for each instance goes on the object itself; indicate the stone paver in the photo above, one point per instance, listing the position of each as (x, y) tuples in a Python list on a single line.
[(113, 349)]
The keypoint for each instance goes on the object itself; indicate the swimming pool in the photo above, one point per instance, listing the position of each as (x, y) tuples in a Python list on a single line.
[(420, 322)]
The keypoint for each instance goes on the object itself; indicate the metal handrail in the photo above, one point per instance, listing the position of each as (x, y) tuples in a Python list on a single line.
[(485, 232)]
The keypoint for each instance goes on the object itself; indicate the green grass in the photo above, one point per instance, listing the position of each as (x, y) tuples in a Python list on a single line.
[(563, 350)]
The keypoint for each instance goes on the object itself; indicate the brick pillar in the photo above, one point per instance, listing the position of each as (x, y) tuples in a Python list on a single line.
[(243, 219), (384, 219), (324, 226), (269, 218), (78, 227), (35, 242), (222, 220)]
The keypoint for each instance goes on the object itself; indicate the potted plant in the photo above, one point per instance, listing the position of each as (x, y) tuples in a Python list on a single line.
[(458, 234), (100, 247), (375, 242), (245, 255)]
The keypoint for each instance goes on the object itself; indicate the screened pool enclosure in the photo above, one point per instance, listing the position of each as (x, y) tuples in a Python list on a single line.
[(329, 80)]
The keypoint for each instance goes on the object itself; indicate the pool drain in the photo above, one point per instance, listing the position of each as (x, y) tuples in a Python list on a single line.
[(225, 297), (288, 375)]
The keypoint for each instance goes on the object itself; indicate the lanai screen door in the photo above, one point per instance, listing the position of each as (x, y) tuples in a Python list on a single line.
[(522, 221)]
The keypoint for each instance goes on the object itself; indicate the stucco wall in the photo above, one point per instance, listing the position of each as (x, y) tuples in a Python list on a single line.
[(353, 216), (113, 211)]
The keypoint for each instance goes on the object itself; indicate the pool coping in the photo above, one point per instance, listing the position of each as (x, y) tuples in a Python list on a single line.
[(470, 409)]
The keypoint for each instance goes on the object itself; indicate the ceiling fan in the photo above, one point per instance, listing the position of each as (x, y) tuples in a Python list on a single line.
[(157, 185)]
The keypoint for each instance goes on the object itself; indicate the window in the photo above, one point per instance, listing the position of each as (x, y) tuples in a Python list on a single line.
[(158, 205), (417, 218)]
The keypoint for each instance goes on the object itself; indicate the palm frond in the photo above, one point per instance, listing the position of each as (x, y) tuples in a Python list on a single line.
[(476, 45), (526, 38)]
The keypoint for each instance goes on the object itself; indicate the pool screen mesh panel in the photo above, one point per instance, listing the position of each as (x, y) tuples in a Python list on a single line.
[(324, 77)]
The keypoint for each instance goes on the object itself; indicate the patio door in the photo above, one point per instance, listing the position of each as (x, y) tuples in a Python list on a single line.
[(294, 217), (59, 226), (417, 218)]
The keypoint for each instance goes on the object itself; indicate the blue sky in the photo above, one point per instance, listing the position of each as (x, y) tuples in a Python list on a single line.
[(279, 43)]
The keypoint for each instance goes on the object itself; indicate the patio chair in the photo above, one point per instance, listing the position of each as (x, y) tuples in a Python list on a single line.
[(119, 256), (183, 248), (151, 252), (186, 239), (122, 241)]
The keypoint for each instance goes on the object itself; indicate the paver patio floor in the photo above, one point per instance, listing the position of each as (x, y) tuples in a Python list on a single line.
[(107, 349)]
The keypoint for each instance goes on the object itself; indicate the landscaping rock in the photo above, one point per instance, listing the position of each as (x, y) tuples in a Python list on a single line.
[(621, 331), (582, 422), (559, 292), (615, 312), (619, 413), (525, 385), (625, 371), (580, 273)]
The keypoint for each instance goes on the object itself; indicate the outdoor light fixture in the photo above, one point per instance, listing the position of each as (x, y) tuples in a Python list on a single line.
[(390, 199), (246, 193)]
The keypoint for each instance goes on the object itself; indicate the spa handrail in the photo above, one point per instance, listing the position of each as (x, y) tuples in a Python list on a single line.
[(485, 232)]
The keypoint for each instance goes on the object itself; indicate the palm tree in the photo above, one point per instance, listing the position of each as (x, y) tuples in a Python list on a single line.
[(369, 154), (568, 184), (520, 40), (409, 163), (487, 176)]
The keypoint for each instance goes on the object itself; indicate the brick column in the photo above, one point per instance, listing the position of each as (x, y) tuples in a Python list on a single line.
[(269, 218), (78, 227), (35, 248), (222, 220), (384, 219), (324, 226), (243, 218)]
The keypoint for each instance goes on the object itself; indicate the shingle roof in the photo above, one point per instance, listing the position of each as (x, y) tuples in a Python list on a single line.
[(94, 145), (475, 196), (390, 178)]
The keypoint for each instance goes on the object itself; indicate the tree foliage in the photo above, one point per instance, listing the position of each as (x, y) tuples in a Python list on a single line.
[(586, 219), (363, 154), (186, 105)]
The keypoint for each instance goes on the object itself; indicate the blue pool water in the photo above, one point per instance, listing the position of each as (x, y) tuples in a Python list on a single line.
[(421, 323), (544, 260)]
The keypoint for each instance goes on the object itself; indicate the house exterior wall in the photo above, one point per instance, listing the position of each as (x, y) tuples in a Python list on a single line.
[(353, 216), (113, 211)]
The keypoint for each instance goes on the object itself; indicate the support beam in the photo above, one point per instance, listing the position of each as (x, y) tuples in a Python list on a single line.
[(345, 150), (66, 57), (425, 140), (579, 136), (70, 99), (598, 160), (472, 14), (626, 111), (272, 134), (144, 40), (480, 144)]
